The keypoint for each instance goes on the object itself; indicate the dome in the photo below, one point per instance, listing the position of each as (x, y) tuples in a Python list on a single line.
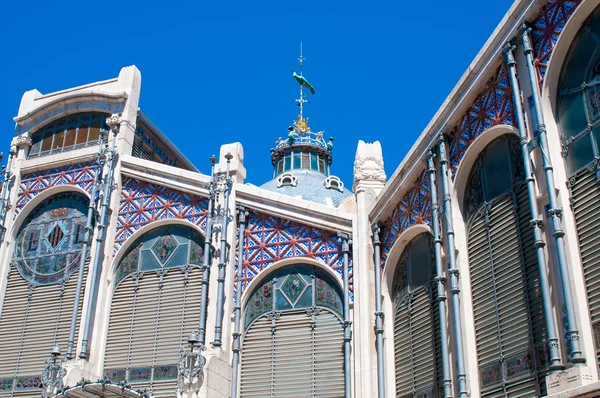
[(309, 185)]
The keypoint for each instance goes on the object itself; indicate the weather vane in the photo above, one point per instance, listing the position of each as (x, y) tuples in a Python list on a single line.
[(302, 124)]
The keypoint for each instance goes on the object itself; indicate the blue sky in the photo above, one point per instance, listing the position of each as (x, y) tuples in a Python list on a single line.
[(220, 72)]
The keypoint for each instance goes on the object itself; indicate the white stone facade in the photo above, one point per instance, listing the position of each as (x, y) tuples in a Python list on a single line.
[(400, 205)]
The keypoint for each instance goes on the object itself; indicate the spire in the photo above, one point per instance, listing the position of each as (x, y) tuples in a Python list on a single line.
[(311, 148)]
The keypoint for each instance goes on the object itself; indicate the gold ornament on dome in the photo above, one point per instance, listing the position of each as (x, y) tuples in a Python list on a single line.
[(301, 124)]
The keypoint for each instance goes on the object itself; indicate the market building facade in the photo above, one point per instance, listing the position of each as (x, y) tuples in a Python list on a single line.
[(474, 270)]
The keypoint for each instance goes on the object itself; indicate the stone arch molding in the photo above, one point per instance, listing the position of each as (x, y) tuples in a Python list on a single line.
[(37, 200)]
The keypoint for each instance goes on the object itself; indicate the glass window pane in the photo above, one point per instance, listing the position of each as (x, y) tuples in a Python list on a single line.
[(305, 160), (288, 161), (419, 272), (580, 154), (496, 169), (578, 59), (82, 134), (70, 136), (94, 132), (58, 139), (572, 117), (321, 164), (297, 160), (47, 142), (314, 161)]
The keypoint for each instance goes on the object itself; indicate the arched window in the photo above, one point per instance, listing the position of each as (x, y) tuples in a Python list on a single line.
[(68, 133), (578, 114), (416, 322), (41, 288), (156, 303), (293, 339), (507, 304)]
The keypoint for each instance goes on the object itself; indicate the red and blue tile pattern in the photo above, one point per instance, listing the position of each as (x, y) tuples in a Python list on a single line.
[(143, 203)]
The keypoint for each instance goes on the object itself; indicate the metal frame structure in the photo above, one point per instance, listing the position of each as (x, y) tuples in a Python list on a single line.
[(536, 223), (555, 212), (114, 123), (440, 278)]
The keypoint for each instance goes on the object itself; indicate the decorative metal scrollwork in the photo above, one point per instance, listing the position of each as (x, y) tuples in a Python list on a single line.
[(53, 373), (191, 363)]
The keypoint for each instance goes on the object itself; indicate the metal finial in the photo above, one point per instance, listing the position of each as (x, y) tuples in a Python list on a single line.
[(55, 351), (301, 58), (193, 338)]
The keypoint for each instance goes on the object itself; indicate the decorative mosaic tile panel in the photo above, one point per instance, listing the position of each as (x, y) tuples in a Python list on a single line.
[(492, 107), (414, 208), (164, 372), (81, 175), (546, 28), (269, 239), (143, 202), (28, 383), (116, 375)]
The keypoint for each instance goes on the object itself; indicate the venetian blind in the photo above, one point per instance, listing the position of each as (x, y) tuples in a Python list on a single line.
[(416, 350), (585, 198), (295, 354), (149, 320), (506, 296), (30, 325)]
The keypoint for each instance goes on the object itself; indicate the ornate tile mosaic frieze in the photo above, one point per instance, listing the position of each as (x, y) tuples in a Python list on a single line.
[(269, 239), (81, 175), (414, 208), (546, 28), (492, 107), (143, 202)]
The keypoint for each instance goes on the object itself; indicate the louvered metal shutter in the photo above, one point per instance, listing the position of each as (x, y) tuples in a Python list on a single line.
[(585, 197), (147, 328), (418, 365), (300, 359), (257, 352), (505, 286), (29, 328), (329, 356)]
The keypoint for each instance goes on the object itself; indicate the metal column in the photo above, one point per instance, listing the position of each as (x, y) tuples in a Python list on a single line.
[(206, 261), (237, 313), (536, 222), (227, 183), (378, 312), (555, 212), (454, 273), (440, 278), (113, 122), (5, 194), (345, 241), (87, 239)]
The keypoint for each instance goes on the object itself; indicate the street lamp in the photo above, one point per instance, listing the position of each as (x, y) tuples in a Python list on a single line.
[(53, 373), (191, 363)]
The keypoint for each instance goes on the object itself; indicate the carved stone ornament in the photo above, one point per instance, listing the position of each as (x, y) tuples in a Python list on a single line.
[(23, 141), (368, 163)]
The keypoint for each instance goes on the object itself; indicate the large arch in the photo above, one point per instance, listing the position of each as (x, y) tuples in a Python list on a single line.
[(293, 334), (412, 326), (155, 303), (41, 286), (387, 279), (507, 306)]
